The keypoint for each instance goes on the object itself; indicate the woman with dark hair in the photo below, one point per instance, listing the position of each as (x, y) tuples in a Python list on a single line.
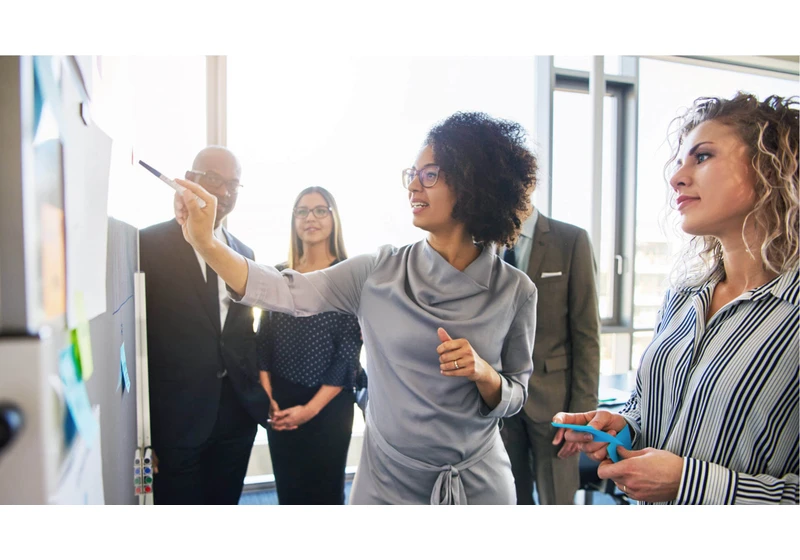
[(448, 326), (308, 367), (715, 411)]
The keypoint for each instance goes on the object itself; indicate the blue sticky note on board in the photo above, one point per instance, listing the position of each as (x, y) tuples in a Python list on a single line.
[(124, 367), (80, 409)]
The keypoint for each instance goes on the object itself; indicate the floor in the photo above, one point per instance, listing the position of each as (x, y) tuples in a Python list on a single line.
[(270, 497)]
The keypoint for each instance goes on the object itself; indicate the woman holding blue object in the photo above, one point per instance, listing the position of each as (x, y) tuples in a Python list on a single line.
[(715, 410), (448, 326), (308, 367)]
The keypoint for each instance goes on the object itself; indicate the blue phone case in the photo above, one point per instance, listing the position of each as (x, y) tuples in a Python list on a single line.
[(623, 438)]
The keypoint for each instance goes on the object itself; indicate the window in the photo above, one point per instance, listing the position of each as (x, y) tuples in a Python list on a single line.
[(572, 183), (155, 110), (351, 125), (611, 64), (634, 152), (665, 88)]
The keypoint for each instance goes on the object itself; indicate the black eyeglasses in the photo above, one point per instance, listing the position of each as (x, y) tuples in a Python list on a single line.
[(428, 176), (319, 212), (213, 180)]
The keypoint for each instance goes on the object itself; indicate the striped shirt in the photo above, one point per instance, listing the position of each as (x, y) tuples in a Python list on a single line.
[(723, 394)]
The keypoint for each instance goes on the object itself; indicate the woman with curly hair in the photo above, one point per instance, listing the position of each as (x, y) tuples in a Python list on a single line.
[(448, 326), (714, 415)]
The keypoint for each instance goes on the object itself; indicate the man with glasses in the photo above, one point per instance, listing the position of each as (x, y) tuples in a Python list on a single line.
[(205, 397)]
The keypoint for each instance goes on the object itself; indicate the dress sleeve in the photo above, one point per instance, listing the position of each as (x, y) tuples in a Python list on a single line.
[(337, 288), (517, 361)]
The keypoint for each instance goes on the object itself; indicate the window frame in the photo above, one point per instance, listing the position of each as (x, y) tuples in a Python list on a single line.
[(624, 87)]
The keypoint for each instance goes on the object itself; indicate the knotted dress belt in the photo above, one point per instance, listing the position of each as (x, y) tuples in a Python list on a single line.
[(448, 488)]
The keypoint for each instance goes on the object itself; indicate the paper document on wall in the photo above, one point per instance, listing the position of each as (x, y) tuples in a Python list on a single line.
[(87, 160), (81, 481), (54, 282)]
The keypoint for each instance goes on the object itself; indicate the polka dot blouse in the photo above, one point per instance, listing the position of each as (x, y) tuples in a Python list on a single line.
[(311, 351)]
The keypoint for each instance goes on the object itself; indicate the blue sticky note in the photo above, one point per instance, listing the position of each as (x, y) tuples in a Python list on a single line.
[(77, 399), (124, 367), (38, 102)]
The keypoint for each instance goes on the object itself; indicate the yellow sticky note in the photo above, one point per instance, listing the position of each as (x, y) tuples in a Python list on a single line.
[(81, 340)]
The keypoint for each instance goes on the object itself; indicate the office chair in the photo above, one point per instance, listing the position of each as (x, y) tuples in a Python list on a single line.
[(591, 483)]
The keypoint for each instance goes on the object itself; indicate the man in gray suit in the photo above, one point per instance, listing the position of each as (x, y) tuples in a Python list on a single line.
[(566, 357)]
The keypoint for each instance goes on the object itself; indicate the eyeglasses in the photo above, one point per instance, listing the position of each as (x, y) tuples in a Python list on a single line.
[(428, 176), (213, 180), (319, 212)]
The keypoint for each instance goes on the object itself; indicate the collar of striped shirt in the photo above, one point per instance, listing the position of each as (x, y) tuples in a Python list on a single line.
[(785, 287)]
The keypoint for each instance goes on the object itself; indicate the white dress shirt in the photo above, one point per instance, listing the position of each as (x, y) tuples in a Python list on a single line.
[(222, 291), (522, 250)]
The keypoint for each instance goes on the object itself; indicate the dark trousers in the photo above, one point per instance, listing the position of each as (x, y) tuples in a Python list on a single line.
[(309, 462), (212, 473), (534, 459)]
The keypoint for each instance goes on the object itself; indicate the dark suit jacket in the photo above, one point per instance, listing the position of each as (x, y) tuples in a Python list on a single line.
[(187, 356), (566, 355)]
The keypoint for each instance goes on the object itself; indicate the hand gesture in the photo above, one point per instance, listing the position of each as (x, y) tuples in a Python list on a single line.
[(651, 475), (603, 420), (197, 223), (291, 418), (568, 449), (273, 409), (457, 358)]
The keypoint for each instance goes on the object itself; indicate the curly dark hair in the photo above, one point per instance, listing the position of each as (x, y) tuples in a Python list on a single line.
[(491, 170)]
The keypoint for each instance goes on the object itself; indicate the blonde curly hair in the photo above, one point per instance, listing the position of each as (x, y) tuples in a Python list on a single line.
[(770, 129)]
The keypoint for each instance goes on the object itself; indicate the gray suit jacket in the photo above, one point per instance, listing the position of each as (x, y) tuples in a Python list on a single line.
[(566, 353)]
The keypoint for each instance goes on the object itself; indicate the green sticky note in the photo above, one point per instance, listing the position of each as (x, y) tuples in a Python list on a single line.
[(81, 340)]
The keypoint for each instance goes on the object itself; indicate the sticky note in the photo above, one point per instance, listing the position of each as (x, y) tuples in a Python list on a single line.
[(124, 368), (82, 341), (77, 399)]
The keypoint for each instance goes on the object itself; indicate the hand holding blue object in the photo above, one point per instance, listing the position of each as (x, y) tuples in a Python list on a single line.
[(623, 438)]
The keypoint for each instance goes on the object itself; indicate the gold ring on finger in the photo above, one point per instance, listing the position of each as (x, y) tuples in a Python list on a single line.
[(455, 363)]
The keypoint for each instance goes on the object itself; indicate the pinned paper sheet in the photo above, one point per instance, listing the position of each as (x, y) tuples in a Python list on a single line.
[(81, 480), (54, 279), (87, 161), (124, 368), (76, 397), (82, 341)]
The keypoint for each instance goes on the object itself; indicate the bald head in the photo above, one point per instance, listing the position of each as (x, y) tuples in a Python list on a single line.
[(219, 156), (216, 168)]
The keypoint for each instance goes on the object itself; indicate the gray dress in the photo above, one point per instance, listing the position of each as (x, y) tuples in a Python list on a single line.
[(429, 438)]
